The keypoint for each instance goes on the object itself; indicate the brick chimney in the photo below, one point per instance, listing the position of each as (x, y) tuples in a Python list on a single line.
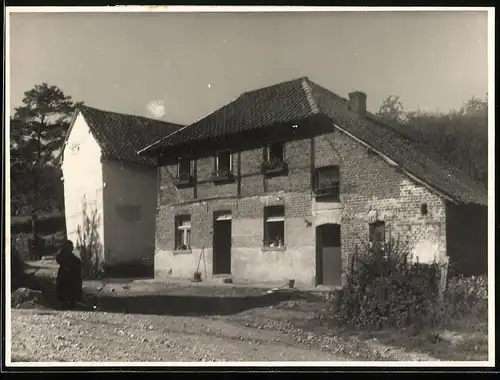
[(357, 102)]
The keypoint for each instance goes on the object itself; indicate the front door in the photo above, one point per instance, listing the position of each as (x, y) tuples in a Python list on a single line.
[(222, 244), (328, 255)]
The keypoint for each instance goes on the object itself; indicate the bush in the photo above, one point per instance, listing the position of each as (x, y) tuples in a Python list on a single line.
[(46, 224), (47, 245), (20, 243), (470, 288), (17, 267), (386, 289), (465, 297)]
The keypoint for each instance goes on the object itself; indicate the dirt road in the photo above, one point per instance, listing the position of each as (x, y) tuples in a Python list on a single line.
[(137, 321), (48, 335)]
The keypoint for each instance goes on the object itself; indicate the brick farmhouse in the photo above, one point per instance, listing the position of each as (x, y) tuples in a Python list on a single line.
[(286, 181)]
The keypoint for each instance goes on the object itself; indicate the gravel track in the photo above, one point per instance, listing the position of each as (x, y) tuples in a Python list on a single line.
[(46, 336)]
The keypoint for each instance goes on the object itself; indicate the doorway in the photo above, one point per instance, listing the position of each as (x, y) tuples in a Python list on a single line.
[(222, 243), (328, 255)]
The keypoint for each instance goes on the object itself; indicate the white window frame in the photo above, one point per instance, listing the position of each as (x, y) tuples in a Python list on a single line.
[(182, 226), (275, 219), (230, 159)]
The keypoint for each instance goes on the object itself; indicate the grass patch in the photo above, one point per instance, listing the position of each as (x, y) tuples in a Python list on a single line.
[(464, 338)]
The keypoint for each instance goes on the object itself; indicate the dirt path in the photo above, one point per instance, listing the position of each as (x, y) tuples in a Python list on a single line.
[(144, 321), (40, 335)]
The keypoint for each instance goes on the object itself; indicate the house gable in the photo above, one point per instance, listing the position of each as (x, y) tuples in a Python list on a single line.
[(83, 185), (121, 136), (79, 137)]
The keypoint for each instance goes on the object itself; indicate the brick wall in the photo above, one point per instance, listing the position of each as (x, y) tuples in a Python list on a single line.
[(371, 190)]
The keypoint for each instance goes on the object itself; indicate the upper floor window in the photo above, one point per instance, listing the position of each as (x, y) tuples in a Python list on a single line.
[(223, 161), (274, 159), (183, 232), (275, 152), (274, 226), (327, 182), (223, 165), (184, 171)]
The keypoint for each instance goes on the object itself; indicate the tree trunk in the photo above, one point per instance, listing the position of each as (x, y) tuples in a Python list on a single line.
[(34, 231), (36, 199)]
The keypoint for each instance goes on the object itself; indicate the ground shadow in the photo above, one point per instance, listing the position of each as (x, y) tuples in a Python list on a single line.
[(187, 305), (159, 304)]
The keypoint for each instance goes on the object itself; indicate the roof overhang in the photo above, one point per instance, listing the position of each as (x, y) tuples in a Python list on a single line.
[(153, 148)]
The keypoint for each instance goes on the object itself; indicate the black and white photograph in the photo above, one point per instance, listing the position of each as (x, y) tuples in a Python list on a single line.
[(217, 186)]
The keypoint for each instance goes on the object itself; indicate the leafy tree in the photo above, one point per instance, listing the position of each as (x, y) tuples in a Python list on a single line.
[(392, 110), (38, 128), (460, 137)]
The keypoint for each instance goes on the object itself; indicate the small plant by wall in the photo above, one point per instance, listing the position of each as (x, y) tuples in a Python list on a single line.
[(89, 244)]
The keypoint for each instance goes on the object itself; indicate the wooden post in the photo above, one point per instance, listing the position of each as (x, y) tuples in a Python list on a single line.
[(443, 279)]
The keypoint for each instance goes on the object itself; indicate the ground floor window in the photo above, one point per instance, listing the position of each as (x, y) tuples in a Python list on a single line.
[(377, 234), (182, 232), (274, 226)]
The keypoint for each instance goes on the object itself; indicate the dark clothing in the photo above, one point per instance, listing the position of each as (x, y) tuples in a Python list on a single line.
[(69, 277)]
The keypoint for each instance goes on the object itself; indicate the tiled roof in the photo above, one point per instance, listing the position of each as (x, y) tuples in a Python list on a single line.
[(121, 136), (255, 109), (412, 156), (300, 98)]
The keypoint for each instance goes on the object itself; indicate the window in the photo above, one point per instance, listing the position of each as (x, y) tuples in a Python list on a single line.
[(274, 159), (424, 209), (274, 226), (275, 152), (184, 172), (377, 234), (327, 181), (183, 232), (184, 167), (223, 162), (223, 170)]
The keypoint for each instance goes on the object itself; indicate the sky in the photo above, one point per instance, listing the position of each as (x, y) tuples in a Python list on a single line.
[(183, 66)]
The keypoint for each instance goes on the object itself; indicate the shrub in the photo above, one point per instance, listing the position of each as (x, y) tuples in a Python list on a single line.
[(21, 244), (47, 245), (384, 288), (465, 297), (89, 244), (46, 224), (468, 287), (17, 268)]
